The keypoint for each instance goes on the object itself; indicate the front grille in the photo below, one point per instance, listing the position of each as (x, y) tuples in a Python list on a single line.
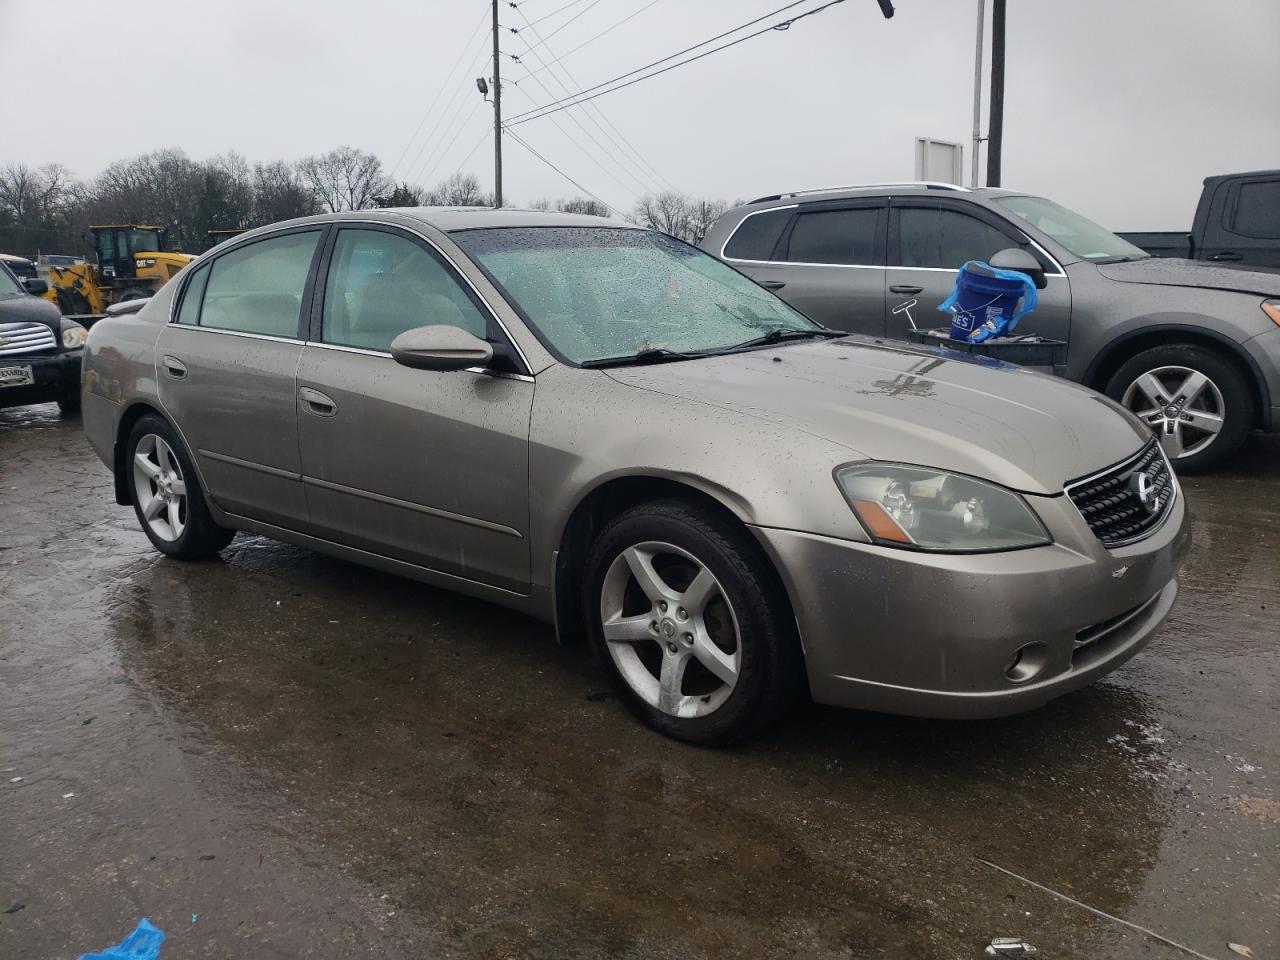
[(1126, 502), (25, 338)]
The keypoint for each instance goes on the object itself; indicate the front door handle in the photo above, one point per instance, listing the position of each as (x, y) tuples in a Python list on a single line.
[(313, 401), (1226, 255), (907, 289), (772, 284), (174, 367)]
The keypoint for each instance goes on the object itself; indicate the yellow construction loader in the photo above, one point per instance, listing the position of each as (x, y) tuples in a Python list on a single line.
[(131, 265)]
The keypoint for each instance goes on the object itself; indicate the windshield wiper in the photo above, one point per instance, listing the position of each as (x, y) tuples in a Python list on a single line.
[(651, 355), (780, 334)]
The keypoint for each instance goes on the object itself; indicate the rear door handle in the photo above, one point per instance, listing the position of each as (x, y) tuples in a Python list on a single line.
[(1226, 255), (174, 367), (906, 289), (316, 402), (772, 284)]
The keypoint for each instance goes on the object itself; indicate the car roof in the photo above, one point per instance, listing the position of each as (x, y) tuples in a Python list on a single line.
[(900, 189), (452, 219)]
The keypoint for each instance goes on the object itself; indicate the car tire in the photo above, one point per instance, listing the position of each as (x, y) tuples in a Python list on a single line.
[(670, 665), (1219, 399), (166, 494), (134, 293), (69, 405)]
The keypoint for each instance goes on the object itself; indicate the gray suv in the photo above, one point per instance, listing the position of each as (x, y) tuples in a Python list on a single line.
[(1191, 348)]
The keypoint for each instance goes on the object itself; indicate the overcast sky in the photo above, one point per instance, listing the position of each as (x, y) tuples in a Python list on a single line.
[(1118, 108)]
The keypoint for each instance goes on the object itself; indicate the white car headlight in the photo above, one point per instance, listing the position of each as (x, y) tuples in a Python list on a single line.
[(73, 335), (924, 509)]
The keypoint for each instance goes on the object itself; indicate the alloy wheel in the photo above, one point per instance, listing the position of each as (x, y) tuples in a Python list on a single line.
[(159, 487), (670, 629), (1183, 407)]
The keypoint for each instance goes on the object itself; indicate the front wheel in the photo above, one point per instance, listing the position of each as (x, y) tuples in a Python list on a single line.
[(166, 494), (1195, 401), (691, 624)]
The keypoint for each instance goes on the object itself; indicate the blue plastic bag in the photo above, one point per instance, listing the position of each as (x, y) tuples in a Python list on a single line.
[(142, 944), (987, 301)]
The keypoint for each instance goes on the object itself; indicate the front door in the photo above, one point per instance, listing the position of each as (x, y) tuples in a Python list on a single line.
[(226, 374), (929, 240), (423, 466)]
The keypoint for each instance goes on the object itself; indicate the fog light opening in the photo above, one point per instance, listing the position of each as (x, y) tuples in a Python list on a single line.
[(1026, 663)]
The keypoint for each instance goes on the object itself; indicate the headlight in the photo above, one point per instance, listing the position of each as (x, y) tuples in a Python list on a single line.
[(73, 335), (923, 509)]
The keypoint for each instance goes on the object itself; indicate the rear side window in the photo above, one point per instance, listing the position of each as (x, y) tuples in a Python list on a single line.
[(757, 235), (189, 312), (837, 236), (258, 288), (1258, 209), (946, 239)]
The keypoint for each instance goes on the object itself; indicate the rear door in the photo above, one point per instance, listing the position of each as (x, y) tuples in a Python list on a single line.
[(930, 239), (226, 369), (826, 259), (424, 466), (1245, 229)]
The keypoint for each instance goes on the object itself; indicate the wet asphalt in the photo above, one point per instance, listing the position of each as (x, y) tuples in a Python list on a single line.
[(278, 754)]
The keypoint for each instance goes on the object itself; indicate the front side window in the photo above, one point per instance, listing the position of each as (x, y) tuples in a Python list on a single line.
[(1079, 236), (849, 237), (8, 285), (946, 239), (382, 284), (258, 288), (594, 293), (144, 241)]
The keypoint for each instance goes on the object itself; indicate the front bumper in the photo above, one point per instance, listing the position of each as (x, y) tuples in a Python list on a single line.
[(55, 376), (931, 634)]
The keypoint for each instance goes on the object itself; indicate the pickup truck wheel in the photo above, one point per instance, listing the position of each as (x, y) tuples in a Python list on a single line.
[(1194, 400)]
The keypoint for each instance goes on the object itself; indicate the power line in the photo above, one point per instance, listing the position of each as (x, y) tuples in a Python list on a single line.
[(462, 52), (584, 43), (415, 169), (445, 152), (678, 53), (585, 9), (545, 16), (471, 152), (520, 140)]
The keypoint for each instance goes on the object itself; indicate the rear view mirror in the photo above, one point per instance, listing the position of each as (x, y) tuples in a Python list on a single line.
[(36, 287), (440, 348), (1015, 258)]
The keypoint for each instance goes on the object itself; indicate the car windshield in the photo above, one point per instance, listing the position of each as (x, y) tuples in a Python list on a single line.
[(8, 285), (595, 293), (1078, 235)]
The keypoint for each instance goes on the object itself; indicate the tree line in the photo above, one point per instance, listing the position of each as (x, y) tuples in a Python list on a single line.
[(45, 209)]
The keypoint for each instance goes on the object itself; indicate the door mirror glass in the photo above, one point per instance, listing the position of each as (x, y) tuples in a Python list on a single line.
[(1015, 259), (440, 348), (36, 287)]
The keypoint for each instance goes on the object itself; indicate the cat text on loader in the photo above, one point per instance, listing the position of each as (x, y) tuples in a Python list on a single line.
[(131, 265)]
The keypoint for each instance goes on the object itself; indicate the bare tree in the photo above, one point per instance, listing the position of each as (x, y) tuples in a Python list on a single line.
[(34, 197), (673, 213), (587, 205), (345, 178), (279, 193), (458, 190), (402, 195)]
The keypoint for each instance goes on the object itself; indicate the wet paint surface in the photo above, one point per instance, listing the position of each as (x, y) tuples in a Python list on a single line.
[(277, 754)]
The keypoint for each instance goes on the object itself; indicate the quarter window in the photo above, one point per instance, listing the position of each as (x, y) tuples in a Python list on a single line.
[(258, 288), (837, 236), (189, 312), (946, 239), (757, 235), (382, 284)]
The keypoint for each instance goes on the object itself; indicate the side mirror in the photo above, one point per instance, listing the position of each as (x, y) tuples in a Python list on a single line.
[(440, 348), (1015, 258), (36, 287)]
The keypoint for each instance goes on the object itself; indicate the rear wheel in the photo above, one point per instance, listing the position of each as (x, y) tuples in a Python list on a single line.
[(69, 405), (166, 494), (691, 624), (1195, 401)]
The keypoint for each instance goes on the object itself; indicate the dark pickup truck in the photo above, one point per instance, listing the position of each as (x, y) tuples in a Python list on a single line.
[(1237, 221)]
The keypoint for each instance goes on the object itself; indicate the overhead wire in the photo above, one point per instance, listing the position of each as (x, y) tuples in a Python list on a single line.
[(416, 168), (448, 146), (590, 40), (546, 16), (524, 143)]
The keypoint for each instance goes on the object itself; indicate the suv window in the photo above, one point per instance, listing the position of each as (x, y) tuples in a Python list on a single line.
[(946, 238), (258, 288), (837, 236), (757, 235), (1258, 209), (382, 284)]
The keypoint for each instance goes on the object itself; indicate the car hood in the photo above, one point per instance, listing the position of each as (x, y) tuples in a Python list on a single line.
[(1172, 272), (26, 309), (986, 419)]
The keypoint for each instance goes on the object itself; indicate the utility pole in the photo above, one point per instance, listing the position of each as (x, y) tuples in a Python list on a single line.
[(977, 99), (995, 127), (497, 113)]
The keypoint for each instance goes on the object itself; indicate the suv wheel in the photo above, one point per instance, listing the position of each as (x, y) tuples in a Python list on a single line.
[(691, 624), (166, 494), (1195, 401)]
